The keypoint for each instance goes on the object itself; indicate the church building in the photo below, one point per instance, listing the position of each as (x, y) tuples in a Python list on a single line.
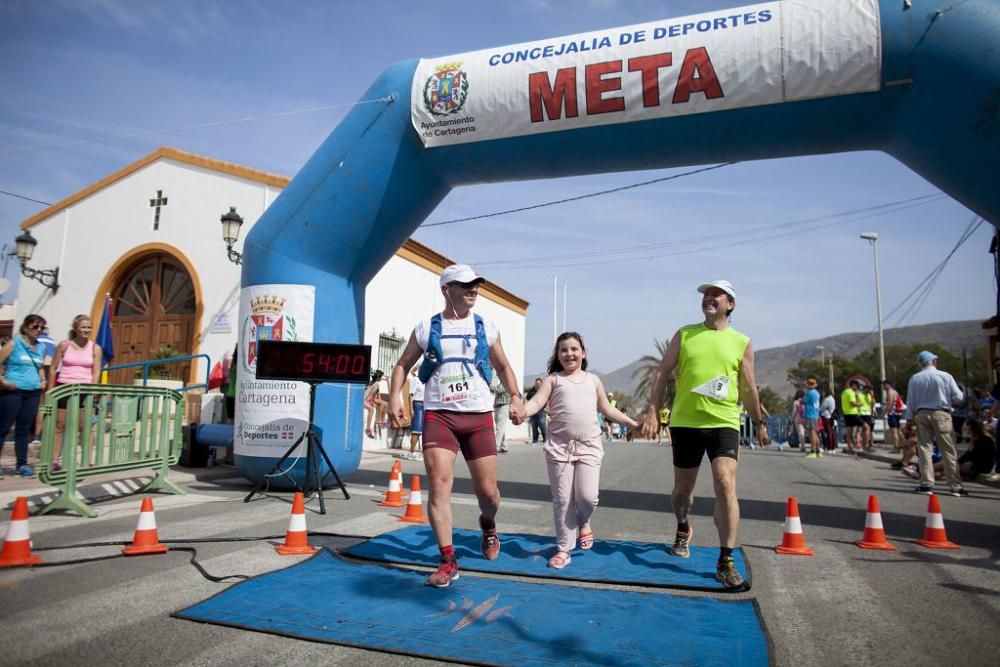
[(150, 237)]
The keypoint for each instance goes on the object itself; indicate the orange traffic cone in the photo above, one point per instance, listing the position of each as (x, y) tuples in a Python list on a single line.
[(393, 497), (399, 471), (793, 542), (17, 544), (874, 535), (934, 535), (415, 507), (145, 541), (297, 539)]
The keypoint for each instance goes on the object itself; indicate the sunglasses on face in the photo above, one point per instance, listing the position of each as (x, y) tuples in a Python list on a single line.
[(36, 327), (467, 286)]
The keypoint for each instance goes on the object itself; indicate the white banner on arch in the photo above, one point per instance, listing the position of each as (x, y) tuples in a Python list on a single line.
[(768, 53)]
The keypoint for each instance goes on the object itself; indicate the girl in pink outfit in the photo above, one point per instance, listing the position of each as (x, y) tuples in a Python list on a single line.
[(77, 361), (574, 449)]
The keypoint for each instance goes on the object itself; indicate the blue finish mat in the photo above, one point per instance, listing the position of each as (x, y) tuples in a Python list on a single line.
[(610, 561), (485, 620)]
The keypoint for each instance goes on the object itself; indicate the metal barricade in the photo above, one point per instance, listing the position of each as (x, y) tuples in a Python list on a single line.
[(109, 429)]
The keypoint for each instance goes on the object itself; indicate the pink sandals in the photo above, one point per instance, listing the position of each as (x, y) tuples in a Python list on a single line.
[(586, 539), (560, 560)]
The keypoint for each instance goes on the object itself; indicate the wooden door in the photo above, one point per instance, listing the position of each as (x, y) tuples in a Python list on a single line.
[(154, 307)]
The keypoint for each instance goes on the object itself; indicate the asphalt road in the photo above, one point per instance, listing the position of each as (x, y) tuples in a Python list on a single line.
[(844, 606)]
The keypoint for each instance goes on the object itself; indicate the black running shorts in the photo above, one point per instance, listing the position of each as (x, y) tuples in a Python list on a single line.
[(691, 444)]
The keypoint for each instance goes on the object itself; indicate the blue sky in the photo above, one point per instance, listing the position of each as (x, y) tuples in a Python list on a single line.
[(76, 74)]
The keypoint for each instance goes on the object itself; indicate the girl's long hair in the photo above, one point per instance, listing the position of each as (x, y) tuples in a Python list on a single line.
[(554, 364)]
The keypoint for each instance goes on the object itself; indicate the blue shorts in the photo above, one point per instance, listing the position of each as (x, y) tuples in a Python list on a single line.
[(893, 421), (417, 427)]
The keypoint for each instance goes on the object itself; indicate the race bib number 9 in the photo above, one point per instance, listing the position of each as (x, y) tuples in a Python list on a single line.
[(457, 388)]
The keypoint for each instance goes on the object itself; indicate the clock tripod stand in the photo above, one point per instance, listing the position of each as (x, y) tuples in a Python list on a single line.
[(314, 449)]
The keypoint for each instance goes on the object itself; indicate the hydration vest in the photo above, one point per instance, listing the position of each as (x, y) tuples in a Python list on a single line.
[(434, 356)]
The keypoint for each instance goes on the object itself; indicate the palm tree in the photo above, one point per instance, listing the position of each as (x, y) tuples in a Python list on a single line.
[(646, 372)]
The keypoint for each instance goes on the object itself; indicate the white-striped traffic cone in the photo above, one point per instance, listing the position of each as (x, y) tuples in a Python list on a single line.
[(17, 544), (297, 538), (874, 535), (145, 541), (394, 496), (793, 542), (414, 506), (934, 533)]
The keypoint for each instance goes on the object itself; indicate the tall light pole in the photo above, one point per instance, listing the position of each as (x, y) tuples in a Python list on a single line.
[(822, 358), (555, 307), (872, 237), (564, 307)]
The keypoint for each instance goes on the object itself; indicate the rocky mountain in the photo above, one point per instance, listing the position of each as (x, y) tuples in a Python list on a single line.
[(773, 363)]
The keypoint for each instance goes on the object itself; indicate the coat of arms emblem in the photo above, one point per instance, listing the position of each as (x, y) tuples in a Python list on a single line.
[(267, 321), (446, 89)]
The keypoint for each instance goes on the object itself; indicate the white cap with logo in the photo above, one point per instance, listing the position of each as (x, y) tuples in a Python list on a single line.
[(723, 285), (460, 273)]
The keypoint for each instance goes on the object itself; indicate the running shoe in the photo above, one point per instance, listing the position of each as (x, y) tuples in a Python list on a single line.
[(25, 471), (446, 573), (725, 572), (925, 490), (681, 543), (960, 492), (490, 543)]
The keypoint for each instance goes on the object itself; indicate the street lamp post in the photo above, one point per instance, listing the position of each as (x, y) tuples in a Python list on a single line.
[(872, 237), (25, 249), (231, 223)]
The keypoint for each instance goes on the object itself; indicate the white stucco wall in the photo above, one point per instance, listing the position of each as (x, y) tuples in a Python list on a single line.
[(88, 237)]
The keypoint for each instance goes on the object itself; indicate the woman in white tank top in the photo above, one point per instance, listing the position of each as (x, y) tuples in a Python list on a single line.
[(574, 449)]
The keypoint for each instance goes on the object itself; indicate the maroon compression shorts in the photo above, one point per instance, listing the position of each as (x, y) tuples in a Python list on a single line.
[(472, 432)]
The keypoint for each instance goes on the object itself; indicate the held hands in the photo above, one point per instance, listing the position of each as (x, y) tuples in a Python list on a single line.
[(517, 411), (650, 424)]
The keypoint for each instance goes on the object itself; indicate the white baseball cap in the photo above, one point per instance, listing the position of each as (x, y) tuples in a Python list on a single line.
[(723, 285), (460, 273)]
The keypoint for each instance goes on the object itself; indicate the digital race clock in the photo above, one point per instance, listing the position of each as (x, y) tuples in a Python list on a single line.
[(313, 362)]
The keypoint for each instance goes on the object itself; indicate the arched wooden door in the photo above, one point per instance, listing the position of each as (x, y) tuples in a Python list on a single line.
[(154, 306)]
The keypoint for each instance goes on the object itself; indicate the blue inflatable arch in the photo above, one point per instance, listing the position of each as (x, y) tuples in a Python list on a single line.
[(934, 105)]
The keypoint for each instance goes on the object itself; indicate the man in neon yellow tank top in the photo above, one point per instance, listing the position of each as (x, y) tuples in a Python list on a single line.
[(714, 364)]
